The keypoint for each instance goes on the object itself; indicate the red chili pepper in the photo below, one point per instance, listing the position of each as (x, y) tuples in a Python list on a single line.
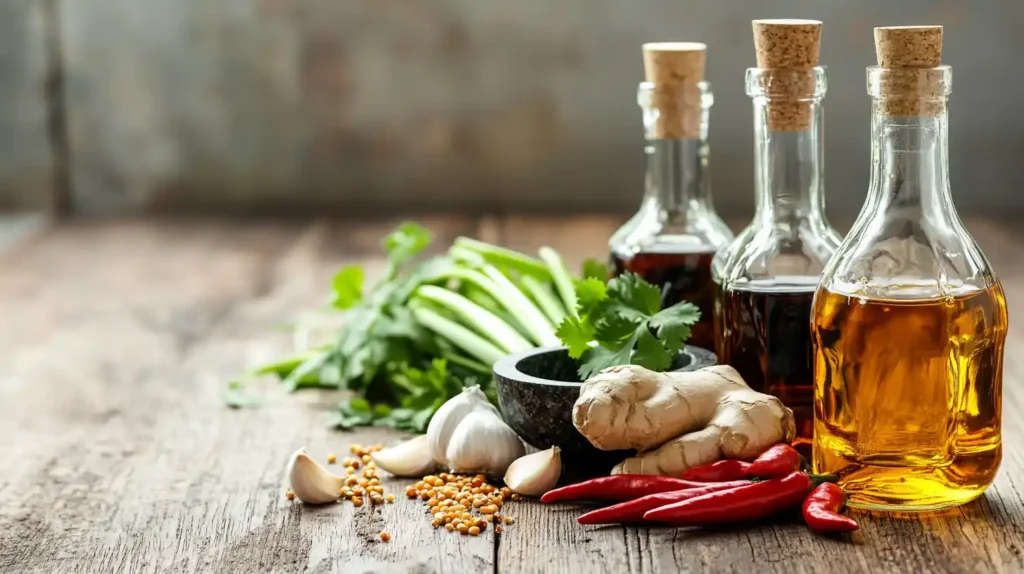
[(821, 510), (718, 471), (743, 503), (633, 510), (778, 460), (619, 487)]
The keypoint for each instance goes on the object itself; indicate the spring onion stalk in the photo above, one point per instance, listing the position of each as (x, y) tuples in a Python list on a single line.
[(521, 306), (502, 257), (547, 302), (481, 320), (561, 277), (467, 340), (506, 295), (468, 363), (482, 298)]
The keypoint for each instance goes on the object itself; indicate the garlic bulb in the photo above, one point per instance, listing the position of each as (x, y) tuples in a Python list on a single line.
[(451, 413), (311, 482), (483, 443), (410, 458), (535, 474)]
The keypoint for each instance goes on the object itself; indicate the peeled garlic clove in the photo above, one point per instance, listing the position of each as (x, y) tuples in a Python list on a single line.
[(410, 458), (483, 443), (535, 474), (448, 417), (311, 482)]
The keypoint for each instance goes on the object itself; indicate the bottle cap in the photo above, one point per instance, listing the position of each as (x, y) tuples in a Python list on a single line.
[(910, 82), (790, 48), (675, 70)]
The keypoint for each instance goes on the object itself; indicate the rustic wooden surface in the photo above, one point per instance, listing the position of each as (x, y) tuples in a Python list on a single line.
[(119, 455)]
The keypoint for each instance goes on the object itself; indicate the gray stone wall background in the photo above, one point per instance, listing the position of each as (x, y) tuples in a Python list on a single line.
[(111, 107)]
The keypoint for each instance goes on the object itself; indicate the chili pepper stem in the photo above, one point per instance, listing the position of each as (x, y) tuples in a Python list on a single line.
[(817, 479)]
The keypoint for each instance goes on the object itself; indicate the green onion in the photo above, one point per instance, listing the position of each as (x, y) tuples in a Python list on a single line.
[(480, 319), (560, 275), (547, 302), (513, 299), (502, 257), (467, 340)]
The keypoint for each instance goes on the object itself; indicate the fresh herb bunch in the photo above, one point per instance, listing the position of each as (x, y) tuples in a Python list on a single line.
[(625, 319), (427, 329)]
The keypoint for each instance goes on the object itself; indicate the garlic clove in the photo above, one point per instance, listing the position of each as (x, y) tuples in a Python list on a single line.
[(450, 414), (410, 458), (535, 474), (311, 482), (483, 443)]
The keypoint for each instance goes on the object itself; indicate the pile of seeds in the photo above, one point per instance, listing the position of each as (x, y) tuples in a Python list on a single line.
[(368, 485), (462, 503)]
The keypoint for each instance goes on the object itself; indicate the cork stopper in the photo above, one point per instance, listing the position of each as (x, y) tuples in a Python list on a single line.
[(674, 70), (909, 46), (788, 51), (787, 44), (909, 82)]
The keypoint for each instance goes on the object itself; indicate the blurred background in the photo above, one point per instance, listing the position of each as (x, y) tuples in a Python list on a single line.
[(125, 107)]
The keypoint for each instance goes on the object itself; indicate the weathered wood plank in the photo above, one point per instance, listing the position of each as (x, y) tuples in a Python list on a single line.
[(26, 161), (984, 536), (118, 340)]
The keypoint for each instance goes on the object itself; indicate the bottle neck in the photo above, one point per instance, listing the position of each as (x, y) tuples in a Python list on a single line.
[(909, 166), (676, 181), (788, 167)]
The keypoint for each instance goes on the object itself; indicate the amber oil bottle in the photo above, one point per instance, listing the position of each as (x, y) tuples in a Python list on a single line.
[(909, 320), (765, 279), (671, 240)]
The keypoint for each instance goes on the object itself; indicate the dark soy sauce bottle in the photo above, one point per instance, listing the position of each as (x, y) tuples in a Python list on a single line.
[(766, 278), (672, 239)]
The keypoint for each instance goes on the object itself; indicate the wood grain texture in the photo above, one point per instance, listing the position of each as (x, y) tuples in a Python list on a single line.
[(121, 457)]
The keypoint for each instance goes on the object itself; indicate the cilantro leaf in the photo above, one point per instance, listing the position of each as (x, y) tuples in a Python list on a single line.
[(576, 335), (631, 292), (590, 294), (613, 329), (594, 269), (650, 352), (625, 318), (348, 287), (598, 359), (673, 324)]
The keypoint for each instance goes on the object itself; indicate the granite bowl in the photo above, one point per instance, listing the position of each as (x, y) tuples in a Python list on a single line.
[(537, 390)]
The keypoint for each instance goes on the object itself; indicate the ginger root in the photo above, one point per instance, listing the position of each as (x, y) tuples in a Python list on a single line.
[(678, 420)]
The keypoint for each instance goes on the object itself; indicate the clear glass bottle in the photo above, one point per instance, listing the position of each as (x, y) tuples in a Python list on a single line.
[(765, 279), (909, 320), (671, 240)]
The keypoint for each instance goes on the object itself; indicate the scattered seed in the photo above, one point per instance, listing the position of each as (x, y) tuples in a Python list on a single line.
[(499, 529), (357, 501), (289, 495), (390, 498), (385, 537), (509, 520), (331, 459), (449, 527), (474, 530)]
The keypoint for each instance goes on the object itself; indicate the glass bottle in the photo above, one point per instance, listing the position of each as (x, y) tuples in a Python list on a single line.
[(909, 320), (765, 279), (671, 240)]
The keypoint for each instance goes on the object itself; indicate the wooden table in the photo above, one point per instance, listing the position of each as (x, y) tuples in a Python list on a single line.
[(117, 453)]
